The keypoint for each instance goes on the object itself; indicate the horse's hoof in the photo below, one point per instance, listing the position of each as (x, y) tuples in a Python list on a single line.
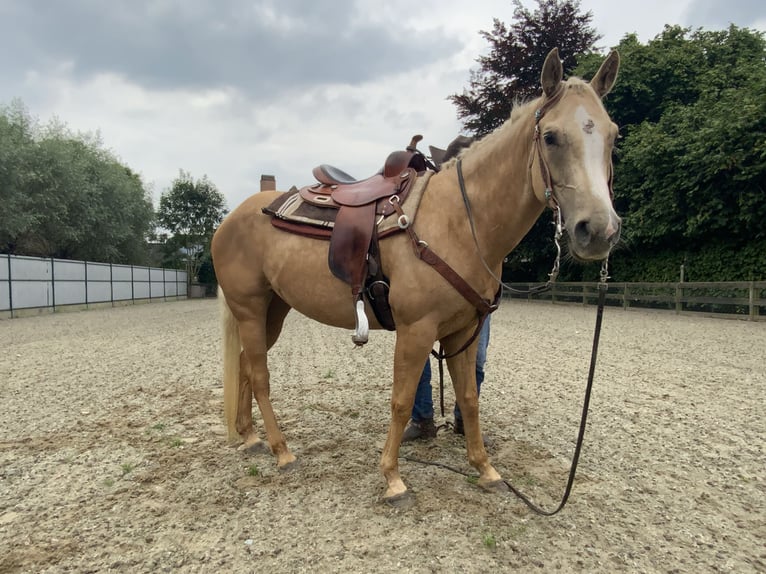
[(496, 487), (289, 467), (402, 501), (258, 447)]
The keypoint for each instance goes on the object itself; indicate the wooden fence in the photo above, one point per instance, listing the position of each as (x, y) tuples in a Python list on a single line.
[(742, 299)]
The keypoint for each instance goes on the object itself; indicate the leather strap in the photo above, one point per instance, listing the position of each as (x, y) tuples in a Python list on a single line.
[(545, 173), (424, 252), (602, 289), (483, 306)]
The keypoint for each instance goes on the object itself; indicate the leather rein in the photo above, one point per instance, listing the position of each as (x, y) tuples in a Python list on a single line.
[(484, 306)]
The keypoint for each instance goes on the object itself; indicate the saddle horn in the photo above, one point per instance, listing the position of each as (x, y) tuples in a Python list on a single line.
[(414, 142)]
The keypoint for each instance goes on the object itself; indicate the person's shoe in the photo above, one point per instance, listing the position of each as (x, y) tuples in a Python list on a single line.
[(460, 429), (419, 430)]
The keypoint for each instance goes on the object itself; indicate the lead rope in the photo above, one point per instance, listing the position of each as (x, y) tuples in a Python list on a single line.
[(602, 289)]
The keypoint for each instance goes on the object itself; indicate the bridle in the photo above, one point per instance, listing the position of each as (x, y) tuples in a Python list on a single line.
[(545, 171), (550, 198)]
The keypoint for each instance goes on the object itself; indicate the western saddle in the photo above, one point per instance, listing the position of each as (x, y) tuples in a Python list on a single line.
[(354, 209)]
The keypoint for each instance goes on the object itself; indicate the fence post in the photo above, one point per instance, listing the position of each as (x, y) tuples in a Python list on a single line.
[(86, 285), (53, 284), (10, 285), (751, 300), (625, 298), (679, 295)]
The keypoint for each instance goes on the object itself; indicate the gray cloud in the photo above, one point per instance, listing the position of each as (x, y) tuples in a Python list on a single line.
[(262, 47), (716, 14)]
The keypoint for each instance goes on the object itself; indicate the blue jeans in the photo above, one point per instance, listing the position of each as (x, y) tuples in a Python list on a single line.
[(424, 402)]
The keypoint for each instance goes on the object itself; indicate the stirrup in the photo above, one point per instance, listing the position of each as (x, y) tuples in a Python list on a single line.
[(362, 330)]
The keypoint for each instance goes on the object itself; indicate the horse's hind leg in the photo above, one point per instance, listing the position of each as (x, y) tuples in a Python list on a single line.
[(244, 423), (257, 337), (252, 442)]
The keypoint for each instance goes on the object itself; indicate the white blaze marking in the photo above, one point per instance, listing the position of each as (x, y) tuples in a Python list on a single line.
[(593, 155)]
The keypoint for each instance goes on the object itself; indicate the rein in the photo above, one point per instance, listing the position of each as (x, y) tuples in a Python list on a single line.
[(484, 306), (545, 173), (552, 276)]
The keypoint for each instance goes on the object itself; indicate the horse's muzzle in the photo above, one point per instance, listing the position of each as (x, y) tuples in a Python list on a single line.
[(593, 239)]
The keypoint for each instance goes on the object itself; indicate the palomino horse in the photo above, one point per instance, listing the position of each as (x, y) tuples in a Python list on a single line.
[(554, 151)]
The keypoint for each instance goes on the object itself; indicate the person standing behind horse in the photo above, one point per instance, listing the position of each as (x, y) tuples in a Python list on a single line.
[(421, 425)]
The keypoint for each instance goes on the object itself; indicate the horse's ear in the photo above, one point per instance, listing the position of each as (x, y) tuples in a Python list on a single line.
[(437, 155), (604, 79), (553, 73)]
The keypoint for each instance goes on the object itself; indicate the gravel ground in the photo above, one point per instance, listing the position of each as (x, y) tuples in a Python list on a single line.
[(113, 455)]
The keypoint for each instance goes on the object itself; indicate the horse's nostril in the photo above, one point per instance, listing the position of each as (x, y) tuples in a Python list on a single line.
[(582, 232)]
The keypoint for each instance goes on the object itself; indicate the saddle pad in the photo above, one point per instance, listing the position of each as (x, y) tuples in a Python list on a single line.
[(292, 209), (290, 206)]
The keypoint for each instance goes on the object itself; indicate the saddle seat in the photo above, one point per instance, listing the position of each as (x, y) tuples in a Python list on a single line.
[(360, 192), (331, 175), (343, 189)]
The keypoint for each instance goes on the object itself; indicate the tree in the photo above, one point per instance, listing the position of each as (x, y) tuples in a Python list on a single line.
[(690, 168), (191, 211), (510, 73), (16, 141), (64, 195)]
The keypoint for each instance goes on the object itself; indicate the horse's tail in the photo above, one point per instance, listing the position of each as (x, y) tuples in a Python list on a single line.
[(232, 347)]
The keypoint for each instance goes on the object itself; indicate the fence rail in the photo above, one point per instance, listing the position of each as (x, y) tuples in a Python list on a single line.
[(29, 284), (745, 299)]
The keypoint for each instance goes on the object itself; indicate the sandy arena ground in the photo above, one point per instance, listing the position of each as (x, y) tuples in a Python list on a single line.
[(113, 454)]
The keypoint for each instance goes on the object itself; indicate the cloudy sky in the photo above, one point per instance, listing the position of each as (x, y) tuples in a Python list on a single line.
[(233, 89)]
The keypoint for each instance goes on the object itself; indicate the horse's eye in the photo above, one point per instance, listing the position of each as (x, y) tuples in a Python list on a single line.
[(549, 138)]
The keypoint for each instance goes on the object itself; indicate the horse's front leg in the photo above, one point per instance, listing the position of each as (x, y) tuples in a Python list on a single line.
[(462, 369), (412, 349)]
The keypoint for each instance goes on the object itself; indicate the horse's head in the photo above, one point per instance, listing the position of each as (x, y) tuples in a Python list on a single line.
[(572, 156)]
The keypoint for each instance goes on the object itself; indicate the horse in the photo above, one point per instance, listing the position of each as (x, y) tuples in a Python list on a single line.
[(554, 151)]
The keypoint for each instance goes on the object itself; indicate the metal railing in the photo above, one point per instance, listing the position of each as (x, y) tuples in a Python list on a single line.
[(39, 283)]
